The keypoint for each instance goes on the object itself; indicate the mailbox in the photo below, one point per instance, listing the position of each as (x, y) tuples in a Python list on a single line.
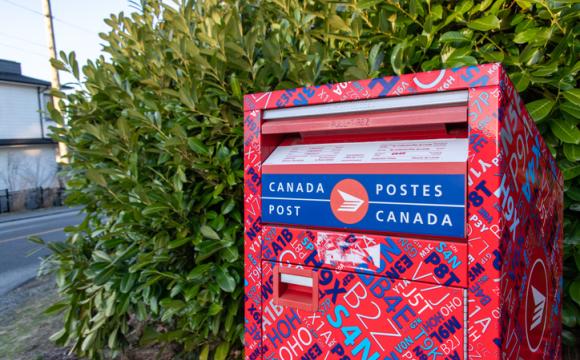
[(408, 217)]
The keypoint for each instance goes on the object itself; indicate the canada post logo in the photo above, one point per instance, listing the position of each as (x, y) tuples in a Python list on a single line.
[(536, 305), (349, 201)]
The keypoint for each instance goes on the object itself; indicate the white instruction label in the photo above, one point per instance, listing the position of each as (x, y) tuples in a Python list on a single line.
[(374, 152)]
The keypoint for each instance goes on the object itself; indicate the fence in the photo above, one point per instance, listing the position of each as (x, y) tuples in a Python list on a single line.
[(30, 199)]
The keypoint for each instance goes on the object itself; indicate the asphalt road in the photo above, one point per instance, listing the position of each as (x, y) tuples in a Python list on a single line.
[(17, 265)]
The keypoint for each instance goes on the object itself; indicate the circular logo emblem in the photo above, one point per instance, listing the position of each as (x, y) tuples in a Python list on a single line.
[(349, 201), (536, 305), (429, 79)]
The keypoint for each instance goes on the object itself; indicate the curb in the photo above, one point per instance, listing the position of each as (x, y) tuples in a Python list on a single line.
[(36, 214)]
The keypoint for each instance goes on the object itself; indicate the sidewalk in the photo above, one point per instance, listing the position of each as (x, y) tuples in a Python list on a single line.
[(23, 215)]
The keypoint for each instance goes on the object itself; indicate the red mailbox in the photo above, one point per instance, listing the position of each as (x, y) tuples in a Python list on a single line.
[(409, 217)]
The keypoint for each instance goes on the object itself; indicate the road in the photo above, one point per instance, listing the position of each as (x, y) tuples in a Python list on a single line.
[(16, 264)]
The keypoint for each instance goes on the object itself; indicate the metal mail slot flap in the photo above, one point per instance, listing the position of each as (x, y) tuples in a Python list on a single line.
[(413, 186), (426, 111), (389, 103), (370, 120)]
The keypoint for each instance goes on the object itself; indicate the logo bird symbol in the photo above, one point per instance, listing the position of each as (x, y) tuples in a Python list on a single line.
[(539, 303), (350, 203)]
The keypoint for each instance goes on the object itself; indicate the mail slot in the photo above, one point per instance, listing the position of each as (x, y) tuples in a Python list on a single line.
[(409, 217)]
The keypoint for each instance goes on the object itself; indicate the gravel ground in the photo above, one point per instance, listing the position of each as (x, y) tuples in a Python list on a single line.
[(25, 329)]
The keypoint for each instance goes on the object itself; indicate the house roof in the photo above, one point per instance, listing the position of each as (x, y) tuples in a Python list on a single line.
[(10, 71), (22, 79)]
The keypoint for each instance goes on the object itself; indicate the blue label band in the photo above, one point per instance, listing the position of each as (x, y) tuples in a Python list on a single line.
[(414, 204)]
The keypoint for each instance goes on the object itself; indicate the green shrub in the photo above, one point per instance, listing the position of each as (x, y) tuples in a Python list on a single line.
[(155, 138)]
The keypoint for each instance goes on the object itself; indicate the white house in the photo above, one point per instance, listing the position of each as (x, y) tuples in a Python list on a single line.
[(27, 154)]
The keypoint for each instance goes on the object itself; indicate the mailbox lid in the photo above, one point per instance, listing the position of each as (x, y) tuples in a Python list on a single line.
[(430, 261), (362, 316), (413, 187)]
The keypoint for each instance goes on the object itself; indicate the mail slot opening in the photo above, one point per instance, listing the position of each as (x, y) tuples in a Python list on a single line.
[(296, 288)]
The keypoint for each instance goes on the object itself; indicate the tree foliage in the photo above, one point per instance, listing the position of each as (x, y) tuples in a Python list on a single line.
[(155, 138)]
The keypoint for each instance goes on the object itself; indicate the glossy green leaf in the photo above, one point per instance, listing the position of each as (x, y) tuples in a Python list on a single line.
[(397, 57), (204, 354), (214, 309), (208, 248), (197, 146), (485, 23), (208, 232), (569, 169), (56, 308), (198, 272), (573, 96), (452, 36), (95, 176), (524, 4), (539, 109), (526, 36), (127, 282), (570, 110), (225, 281), (572, 152), (337, 23), (521, 81), (566, 130), (221, 352), (37, 240)]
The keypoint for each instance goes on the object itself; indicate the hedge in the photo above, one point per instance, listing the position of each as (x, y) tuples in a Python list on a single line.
[(155, 139)]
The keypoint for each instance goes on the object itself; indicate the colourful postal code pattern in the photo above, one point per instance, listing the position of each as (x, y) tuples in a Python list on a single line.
[(510, 267)]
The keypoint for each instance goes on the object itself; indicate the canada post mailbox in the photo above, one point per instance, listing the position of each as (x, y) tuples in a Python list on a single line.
[(409, 217)]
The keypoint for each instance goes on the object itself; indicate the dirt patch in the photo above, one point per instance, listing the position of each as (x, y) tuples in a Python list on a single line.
[(24, 328)]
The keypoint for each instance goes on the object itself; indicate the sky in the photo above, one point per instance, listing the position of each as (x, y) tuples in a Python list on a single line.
[(23, 36)]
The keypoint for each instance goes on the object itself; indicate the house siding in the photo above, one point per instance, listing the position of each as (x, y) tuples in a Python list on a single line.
[(19, 112)]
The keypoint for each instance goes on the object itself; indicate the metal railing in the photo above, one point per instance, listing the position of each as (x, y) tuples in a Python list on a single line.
[(30, 199)]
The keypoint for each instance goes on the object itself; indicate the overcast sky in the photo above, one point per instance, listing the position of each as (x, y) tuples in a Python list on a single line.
[(77, 23)]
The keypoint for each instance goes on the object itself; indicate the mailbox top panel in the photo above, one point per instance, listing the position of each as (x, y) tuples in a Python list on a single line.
[(409, 84)]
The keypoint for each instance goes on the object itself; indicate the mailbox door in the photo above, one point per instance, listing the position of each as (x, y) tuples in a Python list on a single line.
[(310, 313)]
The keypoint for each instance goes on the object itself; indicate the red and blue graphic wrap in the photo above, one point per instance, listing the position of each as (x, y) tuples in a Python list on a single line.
[(489, 288)]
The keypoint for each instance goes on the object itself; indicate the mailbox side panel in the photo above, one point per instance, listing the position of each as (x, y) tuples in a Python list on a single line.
[(531, 194), (252, 236), (484, 224)]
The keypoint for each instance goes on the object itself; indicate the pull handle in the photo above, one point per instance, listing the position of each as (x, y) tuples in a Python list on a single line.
[(296, 288)]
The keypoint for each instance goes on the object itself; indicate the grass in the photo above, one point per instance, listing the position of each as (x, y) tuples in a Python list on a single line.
[(24, 328)]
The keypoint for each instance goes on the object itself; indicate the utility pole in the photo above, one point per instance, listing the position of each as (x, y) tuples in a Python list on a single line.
[(55, 79)]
